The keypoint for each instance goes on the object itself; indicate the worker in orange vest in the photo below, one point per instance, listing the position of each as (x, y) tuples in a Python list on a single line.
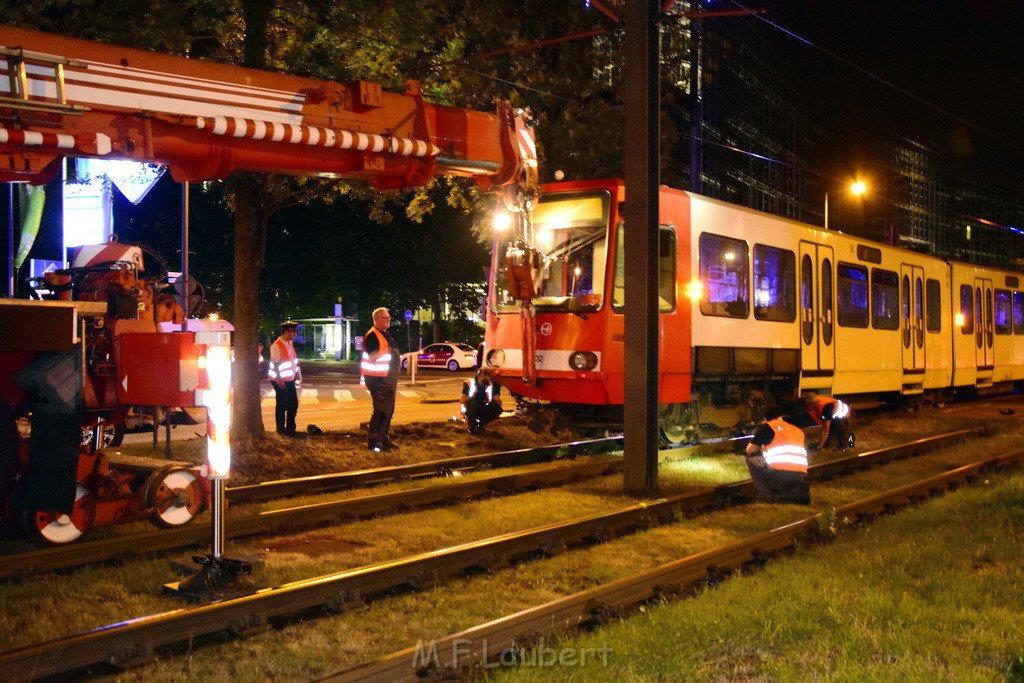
[(777, 461), (833, 416), (284, 373), (379, 367)]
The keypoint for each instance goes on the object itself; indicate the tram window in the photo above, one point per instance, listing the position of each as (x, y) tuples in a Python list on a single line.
[(1018, 312), (933, 322), (869, 254), (774, 288), (666, 270), (724, 272), (967, 309), (918, 311), (885, 299), (852, 296), (1003, 321)]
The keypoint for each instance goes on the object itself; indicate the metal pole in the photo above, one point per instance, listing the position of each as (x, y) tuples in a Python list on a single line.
[(167, 434), (10, 240), (641, 246), (185, 291), (218, 518)]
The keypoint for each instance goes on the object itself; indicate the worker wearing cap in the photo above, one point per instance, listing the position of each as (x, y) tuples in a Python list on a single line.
[(285, 375)]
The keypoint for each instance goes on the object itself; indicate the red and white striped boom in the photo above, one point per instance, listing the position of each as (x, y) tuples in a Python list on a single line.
[(70, 97)]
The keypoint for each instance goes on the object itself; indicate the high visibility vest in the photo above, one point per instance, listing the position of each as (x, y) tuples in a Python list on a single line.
[(284, 364), (839, 409), (378, 363), (472, 386), (786, 451)]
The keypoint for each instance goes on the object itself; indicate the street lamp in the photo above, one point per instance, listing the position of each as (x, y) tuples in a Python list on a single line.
[(857, 187)]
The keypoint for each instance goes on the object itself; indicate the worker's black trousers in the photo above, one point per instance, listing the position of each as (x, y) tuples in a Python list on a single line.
[(287, 405), (383, 392), (479, 413)]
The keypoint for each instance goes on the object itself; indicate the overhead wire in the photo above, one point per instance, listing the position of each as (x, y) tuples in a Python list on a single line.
[(883, 81)]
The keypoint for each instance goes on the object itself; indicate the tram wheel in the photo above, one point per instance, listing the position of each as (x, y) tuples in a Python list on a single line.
[(673, 423), (174, 495), (48, 528)]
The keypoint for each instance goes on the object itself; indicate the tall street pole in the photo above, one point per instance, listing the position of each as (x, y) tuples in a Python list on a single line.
[(640, 407)]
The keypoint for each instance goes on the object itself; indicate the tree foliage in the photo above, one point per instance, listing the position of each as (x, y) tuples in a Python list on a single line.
[(300, 244)]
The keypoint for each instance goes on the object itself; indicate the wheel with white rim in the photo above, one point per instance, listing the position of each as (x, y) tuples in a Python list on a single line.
[(57, 528), (174, 495)]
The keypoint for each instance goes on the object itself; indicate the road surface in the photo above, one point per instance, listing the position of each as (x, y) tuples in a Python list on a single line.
[(332, 399)]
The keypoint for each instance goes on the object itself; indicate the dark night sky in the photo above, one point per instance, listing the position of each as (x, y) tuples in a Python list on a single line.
[(953, 69)]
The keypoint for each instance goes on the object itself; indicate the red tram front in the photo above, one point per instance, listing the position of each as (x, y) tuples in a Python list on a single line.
[(577, 319)]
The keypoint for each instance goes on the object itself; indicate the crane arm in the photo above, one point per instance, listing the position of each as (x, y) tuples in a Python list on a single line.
[(71, 97)]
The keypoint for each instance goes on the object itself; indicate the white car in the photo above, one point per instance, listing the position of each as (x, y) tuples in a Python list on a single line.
[(452, 355)]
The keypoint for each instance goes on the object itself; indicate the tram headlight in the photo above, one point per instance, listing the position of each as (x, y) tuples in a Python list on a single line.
[(582, 361), (496, 358)]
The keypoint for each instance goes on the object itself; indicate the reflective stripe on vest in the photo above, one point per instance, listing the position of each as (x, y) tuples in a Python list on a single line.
[(287, 366), (376, 364), (840, 410), (786, 451), (473, 386)]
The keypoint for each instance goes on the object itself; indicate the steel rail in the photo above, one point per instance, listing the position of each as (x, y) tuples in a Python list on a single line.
[(509, 639), (283, 488), (135, 641), (242, 525), (123, 546)]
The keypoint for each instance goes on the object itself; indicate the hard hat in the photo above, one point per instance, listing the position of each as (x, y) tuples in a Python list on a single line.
[(289, 325)]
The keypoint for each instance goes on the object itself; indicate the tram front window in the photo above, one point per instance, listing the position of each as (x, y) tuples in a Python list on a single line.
[(570, 235)]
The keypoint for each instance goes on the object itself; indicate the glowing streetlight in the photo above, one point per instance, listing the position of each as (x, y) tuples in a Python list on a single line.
[(857, 187)]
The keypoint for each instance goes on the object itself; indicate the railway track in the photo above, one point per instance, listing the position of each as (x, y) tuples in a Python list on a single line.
[(120, 546), (137, 641), (435, 468), (510, 638)]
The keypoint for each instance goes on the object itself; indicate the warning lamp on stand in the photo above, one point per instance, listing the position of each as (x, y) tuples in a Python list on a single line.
[(217, 362), (219, 575)]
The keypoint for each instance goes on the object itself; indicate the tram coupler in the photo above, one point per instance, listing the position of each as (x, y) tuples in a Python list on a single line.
[(219, 577)]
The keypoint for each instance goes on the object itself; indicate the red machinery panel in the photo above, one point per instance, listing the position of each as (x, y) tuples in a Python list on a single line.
[(159, 369)]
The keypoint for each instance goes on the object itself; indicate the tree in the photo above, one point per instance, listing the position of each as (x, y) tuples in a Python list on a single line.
[(465, 52)]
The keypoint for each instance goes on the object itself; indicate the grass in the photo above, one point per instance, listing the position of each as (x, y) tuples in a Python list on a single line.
[(930, 594), (746, 629)]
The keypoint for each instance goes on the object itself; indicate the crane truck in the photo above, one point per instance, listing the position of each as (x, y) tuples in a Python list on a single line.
[(80, 359)]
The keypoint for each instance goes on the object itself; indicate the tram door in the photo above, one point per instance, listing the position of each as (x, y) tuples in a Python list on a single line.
[(984, 326), (912, 316), (817, 309)]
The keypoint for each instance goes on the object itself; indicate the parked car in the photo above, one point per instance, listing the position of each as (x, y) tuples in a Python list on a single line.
[(452, 355)]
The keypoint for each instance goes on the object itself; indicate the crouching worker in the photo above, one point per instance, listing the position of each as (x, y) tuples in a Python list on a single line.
[(481, 400), (777, 461), (833, 416)]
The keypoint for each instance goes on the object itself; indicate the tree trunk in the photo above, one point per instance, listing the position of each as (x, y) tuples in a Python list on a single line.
[(250, 229), (251, 215)]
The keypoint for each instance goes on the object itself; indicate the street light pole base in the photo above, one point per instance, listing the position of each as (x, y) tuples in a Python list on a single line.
[(219, 577)]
